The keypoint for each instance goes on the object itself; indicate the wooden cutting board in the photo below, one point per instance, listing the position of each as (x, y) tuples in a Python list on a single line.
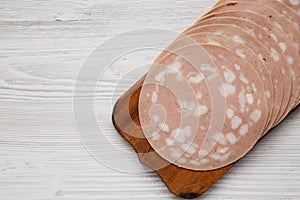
[(182, 182)]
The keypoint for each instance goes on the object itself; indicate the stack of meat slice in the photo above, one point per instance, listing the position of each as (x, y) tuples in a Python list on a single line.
[(223, 83)]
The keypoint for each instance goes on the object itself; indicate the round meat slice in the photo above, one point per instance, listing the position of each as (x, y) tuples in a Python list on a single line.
[(285, 40), (242, 51), (284, 19), (203, 150), (271, 44), (260, 50), (233, 46)]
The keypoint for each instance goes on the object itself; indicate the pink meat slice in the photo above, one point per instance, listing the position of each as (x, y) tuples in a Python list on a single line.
[(241, 128), (234, 46), (277, 15), (285, 42), (271, 44), (258, 48)]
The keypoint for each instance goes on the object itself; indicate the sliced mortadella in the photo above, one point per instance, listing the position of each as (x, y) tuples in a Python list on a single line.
[(285, 18), (240, 50), (286, 44), (182, 103), (271, 44), (239, 35), (245, 53), (278, 22)]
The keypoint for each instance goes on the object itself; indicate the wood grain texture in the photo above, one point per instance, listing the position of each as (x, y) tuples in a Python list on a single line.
[(43, 46)]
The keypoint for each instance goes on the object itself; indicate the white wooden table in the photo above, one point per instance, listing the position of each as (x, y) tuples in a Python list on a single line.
[(43, 45)]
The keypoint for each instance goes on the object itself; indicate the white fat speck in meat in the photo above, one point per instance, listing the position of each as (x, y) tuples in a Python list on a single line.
[(175, 68), (164, 127), (175, 153), (196, 79), (160, 77), (231, 138), (283, 47), (290, 60), (236, 121), (244, 129), (230, 113), (240, 53), (154, 97), (194, 162), (237, 67), (202, 153), (227, 90), (200, 110), (208, 68), (169, 142), (213, 42), (256, 115), (218, 32), (182, 160), (274, 37), (275, 55), (250, 99), (155, 136), (244, 79), (188, 149), (237, 39), (229, 76)]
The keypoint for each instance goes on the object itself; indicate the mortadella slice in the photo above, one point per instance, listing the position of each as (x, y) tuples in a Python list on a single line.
[(203, 150), (250, 56), (285, 41), (276, 52), (239, 48), (256, 46), (277, 15)]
